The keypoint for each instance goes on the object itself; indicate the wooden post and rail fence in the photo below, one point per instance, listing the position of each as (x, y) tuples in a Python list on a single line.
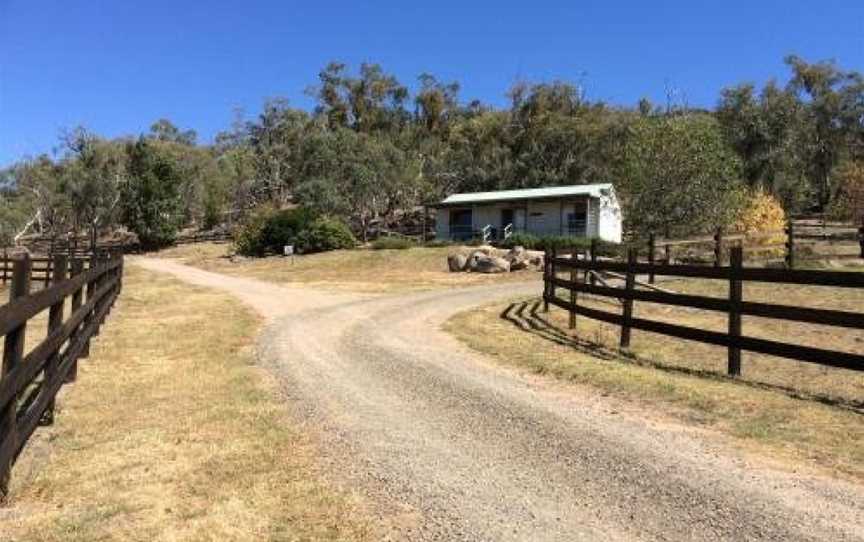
[(788, 242), (29, 381), (734, 306)]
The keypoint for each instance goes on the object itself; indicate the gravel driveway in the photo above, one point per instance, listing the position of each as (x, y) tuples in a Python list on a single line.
[(450, 446)]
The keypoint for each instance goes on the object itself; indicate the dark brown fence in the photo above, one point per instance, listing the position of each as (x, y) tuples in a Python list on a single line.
[(735, 306), (800, 241), (202, 237), (30, 380), (41, 267)]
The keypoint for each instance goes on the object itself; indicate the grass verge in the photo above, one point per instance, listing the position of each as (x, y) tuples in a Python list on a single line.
[(762, 417), (360, 270), (170, 433)]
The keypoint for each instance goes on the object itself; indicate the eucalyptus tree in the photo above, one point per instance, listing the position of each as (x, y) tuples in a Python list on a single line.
[(93, 170), (833, 117), (357, 176), (437, 105), (275, 140), (678, 176), (165, 130), (152, 203), (372, 101)]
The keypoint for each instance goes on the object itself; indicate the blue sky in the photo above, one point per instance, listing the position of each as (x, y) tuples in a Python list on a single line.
[(116, 66)]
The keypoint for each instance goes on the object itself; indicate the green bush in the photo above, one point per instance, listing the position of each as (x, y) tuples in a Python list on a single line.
[(248, 238), (325, 234), (393, 243), (559, 242), (267, 230), (434, 243), (525, 240)]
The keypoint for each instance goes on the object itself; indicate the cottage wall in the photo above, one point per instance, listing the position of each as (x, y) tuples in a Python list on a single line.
[(610, 219), (442, 223), (543, 217)]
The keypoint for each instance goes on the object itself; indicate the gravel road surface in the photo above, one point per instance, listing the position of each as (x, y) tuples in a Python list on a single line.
[(449, 446)]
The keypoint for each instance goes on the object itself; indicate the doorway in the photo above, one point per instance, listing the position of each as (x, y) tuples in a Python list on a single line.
[(507, 225)]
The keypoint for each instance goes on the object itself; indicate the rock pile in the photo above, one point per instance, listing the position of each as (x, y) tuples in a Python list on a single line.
[(488, 259)]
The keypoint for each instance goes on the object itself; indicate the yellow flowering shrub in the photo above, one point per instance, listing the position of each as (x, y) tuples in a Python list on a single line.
[(762, 213)]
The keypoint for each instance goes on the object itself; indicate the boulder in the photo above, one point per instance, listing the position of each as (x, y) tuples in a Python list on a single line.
[(535, 257), (518, 258), (488, 250), (457, 262), (489, 264)]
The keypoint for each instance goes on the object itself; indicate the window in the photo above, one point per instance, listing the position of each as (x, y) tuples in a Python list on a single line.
[(576, 223), (461, 224)]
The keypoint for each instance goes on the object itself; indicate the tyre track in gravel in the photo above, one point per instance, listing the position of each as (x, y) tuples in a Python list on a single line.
[(452, 447)]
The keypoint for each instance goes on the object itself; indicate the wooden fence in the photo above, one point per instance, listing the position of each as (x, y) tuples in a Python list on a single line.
[(202, 237), (735, 306), (801, 240), (41, 267), (29, 381)]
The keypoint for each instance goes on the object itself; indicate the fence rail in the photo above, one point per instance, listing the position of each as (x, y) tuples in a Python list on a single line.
[(29, 381), (798, 241), (202, 237), (734, 305)]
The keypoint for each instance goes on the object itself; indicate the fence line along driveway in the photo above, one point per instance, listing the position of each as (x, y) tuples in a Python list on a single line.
[(30, 379), (449, 446)]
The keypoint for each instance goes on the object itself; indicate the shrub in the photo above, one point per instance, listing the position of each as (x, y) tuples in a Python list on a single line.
[(439, 243), (559, 242), (848, 203), (393, 243), (763, 213), (521, 240), (248, 236), (267, 230), (284, 226), (324, 234)]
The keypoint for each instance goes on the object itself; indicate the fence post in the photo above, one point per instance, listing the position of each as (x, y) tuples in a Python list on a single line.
[(13, 352), (547, 268), (718, 247), (55, 320), (574, 276), (736, 261), (652, 247), (790, 244), (861, 238), (629, 285), (77, 269), (592, 274)]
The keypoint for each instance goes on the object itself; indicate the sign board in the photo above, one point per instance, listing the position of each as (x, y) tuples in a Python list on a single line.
[(289, 250)]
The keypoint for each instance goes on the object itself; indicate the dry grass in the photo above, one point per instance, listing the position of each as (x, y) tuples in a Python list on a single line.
[(361, 270), (171, 434), (832, 384), (787, 409)]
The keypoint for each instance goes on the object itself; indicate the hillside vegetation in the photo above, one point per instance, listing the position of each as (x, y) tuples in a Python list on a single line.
[(373, 149)]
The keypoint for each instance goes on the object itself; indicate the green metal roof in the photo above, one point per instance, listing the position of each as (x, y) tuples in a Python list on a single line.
[(551, 192)]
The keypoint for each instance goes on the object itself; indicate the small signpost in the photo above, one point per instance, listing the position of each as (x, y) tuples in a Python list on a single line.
[(289, 251)]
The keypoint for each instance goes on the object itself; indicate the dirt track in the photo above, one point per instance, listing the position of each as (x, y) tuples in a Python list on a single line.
[(452, 447)]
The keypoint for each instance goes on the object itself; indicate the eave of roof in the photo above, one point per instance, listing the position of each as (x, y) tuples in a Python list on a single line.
[(500, 196)]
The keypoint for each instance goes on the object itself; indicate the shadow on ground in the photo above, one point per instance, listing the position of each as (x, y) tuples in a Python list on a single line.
[(528, 317)]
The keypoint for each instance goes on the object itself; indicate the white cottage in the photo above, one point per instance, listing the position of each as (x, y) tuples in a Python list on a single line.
[(585, 210)]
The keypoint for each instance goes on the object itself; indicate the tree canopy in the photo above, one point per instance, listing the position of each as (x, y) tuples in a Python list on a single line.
[(373, 149)]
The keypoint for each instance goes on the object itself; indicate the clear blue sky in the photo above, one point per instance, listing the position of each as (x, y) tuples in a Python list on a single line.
[(115, 66)]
